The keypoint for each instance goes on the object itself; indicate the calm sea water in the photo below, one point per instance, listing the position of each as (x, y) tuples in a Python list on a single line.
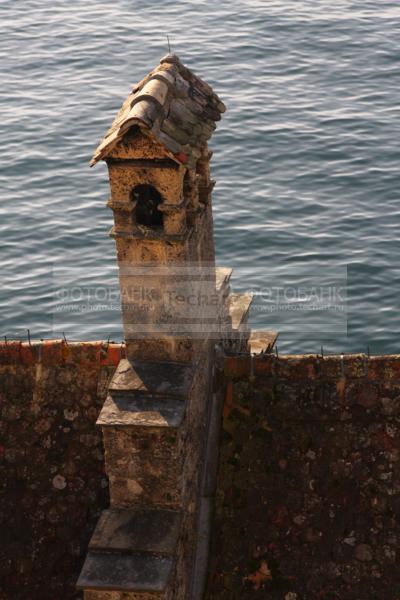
[(306, 158)]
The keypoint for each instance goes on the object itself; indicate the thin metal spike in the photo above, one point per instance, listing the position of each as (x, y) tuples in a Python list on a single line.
[(29, 337), (276, 352), (65, 339)]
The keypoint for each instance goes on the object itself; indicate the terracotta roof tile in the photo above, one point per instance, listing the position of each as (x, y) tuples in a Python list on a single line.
[(171, 104)]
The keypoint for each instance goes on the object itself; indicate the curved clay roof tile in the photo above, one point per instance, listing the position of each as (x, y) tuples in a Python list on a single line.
[(175, 106)]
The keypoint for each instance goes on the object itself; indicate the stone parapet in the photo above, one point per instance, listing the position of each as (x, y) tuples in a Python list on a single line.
[(316, 367)]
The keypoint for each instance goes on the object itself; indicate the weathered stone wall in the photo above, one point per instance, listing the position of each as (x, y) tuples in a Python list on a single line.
[(308, 498), (53, 485)]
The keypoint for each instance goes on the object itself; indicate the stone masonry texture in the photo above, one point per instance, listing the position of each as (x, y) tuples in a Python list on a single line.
[(53, 485), (308, 500)]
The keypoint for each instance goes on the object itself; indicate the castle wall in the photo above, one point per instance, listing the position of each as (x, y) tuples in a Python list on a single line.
[(51, 463), (308, 498)]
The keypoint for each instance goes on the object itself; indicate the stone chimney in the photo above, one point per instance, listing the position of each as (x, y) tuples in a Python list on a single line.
[(158, 162), (160, 419)]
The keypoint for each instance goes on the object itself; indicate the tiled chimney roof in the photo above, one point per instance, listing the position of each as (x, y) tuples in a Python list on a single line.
[(174, 106)]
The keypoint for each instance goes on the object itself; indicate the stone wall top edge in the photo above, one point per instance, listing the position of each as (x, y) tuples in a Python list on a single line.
[(60, 352), (314, 366)]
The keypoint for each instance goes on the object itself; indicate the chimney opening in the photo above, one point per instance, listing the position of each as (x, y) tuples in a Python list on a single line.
[(147, 199)]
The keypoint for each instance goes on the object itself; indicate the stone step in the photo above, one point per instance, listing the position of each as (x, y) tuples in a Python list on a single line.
[(141, 441), (139, 573), (166, 379), (143, 457), (143, 421), (262, 342), (235, 328), (222, 277), (130, 410), (238, 309), (139, 530), (132, 551)]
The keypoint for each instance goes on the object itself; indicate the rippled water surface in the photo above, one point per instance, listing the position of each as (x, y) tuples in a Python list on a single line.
[(306, 158)]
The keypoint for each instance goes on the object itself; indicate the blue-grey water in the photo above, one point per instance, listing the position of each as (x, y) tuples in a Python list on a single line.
[(306, 158)]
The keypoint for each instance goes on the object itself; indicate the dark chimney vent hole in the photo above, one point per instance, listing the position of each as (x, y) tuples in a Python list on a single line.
[(148, 200)]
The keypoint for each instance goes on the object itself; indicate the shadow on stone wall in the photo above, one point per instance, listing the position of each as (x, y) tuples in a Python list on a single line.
[(308, 496), (51, 463)]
